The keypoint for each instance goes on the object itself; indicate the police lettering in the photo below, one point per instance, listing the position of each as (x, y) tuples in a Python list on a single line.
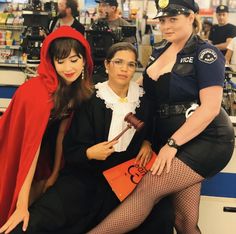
[(186, 60)]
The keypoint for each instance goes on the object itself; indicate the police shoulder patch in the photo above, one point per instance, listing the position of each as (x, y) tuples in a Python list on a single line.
[(208, 56)]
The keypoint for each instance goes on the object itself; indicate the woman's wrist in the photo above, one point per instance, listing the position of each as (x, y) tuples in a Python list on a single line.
[(88, 153), (171, 142), (22, 202)]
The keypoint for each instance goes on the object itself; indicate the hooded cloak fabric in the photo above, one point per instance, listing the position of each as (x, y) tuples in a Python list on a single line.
[(23, 124)]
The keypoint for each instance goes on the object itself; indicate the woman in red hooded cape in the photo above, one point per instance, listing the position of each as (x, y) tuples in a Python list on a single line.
[(23, 124)]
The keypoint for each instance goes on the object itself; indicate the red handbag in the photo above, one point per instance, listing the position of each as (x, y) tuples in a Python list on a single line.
[(124, 177)]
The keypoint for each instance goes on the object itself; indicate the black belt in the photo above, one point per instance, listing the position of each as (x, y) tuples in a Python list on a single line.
[(167, 110)]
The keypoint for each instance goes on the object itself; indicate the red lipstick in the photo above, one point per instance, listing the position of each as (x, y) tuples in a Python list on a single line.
[(68, 75)]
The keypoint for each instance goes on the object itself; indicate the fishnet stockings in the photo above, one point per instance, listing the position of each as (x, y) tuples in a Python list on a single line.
[(134, 210), (186, 205)]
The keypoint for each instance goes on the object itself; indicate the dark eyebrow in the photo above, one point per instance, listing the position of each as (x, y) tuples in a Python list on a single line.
[(74, 56), (132, 61)]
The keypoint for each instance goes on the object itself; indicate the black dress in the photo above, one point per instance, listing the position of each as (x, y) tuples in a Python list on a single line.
[(210, 151)]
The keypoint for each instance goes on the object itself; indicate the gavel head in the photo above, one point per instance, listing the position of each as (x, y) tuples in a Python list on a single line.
[(134, 121)]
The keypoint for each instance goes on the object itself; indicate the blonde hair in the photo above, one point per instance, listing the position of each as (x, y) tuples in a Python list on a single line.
[(197, 25)]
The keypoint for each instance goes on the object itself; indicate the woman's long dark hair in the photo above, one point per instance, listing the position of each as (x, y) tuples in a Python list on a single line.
[(67, 97)]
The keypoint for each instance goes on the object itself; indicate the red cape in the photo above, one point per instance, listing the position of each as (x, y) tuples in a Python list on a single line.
[(23, 124)]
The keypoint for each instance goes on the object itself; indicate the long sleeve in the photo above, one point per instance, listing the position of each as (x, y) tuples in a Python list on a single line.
[(79, 136)]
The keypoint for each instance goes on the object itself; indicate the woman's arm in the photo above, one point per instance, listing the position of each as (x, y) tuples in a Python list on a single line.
[(21, 213), (228, 56), (80, 144), (101, 150), (223, 46), (210, 99)]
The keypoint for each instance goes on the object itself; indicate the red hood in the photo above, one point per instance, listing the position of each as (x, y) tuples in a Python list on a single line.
[(46, 70)]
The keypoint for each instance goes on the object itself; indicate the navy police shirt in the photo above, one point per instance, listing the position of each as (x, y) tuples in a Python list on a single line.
[(198, 65)]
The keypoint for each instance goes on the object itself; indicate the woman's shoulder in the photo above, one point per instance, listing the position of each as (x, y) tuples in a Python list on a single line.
[(33, 97), (93, 99), (92, 102), (158, 48), (89, 107), (33, 89)]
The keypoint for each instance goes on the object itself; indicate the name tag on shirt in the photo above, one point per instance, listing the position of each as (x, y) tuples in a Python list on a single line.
[(187, 60)]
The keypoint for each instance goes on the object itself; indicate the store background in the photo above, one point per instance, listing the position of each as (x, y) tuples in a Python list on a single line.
[(219, 191)]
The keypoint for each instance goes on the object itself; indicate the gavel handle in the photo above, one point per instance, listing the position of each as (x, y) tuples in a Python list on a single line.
[(119, 135)]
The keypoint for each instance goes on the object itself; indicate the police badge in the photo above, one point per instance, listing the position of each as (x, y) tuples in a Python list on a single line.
[(222, 7), (163, 3)]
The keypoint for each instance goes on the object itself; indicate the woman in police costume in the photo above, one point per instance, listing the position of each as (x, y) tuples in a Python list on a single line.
[(193, 133)]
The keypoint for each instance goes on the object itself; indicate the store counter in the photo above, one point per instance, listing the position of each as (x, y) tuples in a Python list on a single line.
[(218, 199), (10, 80)]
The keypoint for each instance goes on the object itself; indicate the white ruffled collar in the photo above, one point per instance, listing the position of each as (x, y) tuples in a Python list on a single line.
[(104, 92)]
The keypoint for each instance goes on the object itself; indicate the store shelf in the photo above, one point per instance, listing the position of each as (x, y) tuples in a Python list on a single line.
[(13, 47), (11, 27), (11, 55), (12, 64), (34, 12)]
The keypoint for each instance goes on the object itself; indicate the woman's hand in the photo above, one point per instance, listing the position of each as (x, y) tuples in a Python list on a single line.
[(21, 214), (50, 182), (144, 154), (163, 160), (101, 150)]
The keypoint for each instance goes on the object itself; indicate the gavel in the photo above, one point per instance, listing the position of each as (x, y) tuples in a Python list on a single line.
[(132, 120)]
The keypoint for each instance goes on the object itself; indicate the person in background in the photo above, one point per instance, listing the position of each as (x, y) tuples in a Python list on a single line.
[(206, 28), (230, 55), (64, 80), (82, 197), (108, 20), (222, 33), (108, 9), (108, 12), (67, 13), (194, 137)]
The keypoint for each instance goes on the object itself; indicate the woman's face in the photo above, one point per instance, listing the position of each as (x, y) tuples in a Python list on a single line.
[(121, 68), (69, 68), (176, 28)]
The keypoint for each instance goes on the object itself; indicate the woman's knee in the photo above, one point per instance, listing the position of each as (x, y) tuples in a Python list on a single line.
[(185, 222)]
